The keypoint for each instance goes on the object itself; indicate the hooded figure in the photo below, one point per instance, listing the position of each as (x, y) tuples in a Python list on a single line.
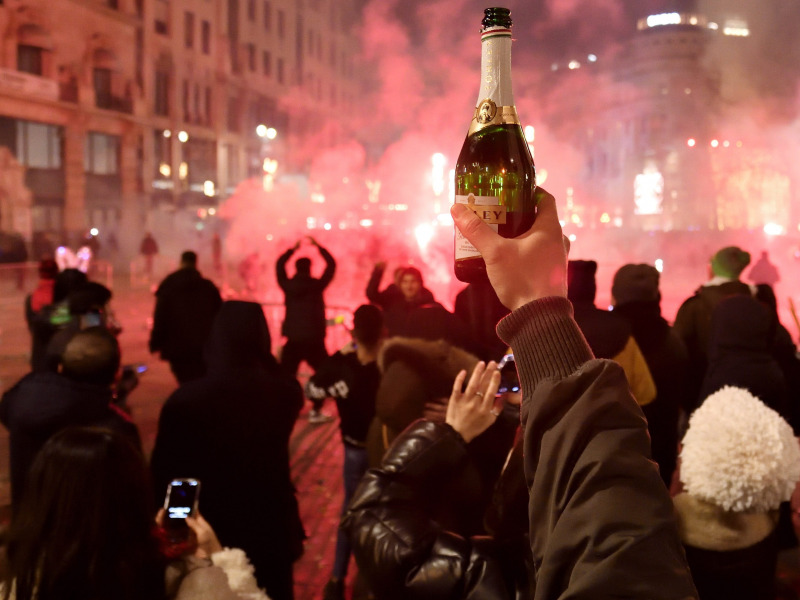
[(230, 429), (693, 321), (637, 299), (739, 461), (608, 335), (739, 353)]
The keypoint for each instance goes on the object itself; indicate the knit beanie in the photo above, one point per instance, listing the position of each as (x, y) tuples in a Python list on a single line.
[(635, 283), (739, 454), (730, 262), (581, 284)]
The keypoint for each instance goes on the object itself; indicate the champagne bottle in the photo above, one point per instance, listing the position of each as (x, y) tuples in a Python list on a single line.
[(495, 176)]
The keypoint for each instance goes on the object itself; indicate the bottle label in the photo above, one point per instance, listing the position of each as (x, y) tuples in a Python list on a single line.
[(487, 208), (488, 113)]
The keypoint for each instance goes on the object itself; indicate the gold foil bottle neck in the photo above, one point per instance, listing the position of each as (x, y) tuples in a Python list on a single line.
[(487, 113)]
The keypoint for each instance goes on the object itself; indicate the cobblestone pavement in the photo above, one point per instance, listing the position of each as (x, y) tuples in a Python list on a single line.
[(316, 450)]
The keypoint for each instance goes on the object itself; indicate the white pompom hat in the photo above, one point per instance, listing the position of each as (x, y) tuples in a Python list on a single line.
[(739, 454)]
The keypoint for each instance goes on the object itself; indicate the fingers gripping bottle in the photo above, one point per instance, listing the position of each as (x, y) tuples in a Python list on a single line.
[(495, 176)]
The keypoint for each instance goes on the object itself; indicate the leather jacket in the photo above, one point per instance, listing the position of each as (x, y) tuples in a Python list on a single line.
[(399, 543)]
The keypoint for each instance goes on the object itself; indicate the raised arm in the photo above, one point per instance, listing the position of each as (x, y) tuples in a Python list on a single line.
[(601, 520), (373, 295), (280, 266), (330, 265)]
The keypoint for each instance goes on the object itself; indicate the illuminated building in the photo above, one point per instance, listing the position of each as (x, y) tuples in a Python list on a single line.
[(112, 110), (665, 148)]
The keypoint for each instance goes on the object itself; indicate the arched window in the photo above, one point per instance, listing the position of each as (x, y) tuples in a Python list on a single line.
[(34, 50)]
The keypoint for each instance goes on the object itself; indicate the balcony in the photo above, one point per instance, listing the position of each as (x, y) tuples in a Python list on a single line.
[(28, 85)]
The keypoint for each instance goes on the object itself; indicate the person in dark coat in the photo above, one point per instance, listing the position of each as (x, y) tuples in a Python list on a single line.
[(693, 321), (479, 309), (186, 304), (406, 544), (41, 404), (784, 352), (351, 378), (740, 353), (230, 429), (609, 335), (400, 298), (54, 316), (636, 298), (148, 248), (304, 325), (41, 297)]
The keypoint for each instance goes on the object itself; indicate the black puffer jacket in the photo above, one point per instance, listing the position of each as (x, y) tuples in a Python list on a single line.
[(402, 549)]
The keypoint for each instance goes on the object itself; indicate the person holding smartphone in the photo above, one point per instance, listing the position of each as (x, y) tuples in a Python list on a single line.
[(230, 430), (85, 530), (599, 519)]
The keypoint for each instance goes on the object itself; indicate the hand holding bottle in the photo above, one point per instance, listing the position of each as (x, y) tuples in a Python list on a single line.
[(525, 268)]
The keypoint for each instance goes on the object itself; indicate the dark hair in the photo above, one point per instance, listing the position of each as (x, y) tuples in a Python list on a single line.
[(581, 283), (189, 259), (68, 281), (411, 271), (92, 355), (303, 265), (48, 268), (84, 528), (368, 324)]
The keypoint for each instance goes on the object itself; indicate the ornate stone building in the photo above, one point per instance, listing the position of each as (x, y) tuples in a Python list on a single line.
[(122, 112)]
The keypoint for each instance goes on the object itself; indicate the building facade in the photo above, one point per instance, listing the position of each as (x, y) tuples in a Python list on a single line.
[(115, 114), (675, 141)]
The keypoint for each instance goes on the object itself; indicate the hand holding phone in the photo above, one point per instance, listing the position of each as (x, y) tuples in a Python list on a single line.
[(179, 503)]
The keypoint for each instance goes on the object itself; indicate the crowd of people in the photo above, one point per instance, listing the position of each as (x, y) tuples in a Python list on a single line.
[(527, 444)]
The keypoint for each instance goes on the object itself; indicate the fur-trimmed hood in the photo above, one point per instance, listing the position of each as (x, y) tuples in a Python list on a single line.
[(413, 373), (437, 360)]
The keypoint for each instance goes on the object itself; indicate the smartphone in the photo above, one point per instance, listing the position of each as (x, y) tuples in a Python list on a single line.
[(180, 502), (509, 379), (91, 319)]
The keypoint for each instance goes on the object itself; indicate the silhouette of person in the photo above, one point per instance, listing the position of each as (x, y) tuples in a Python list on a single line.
[(764, 271), (186, 304), (304, 325)]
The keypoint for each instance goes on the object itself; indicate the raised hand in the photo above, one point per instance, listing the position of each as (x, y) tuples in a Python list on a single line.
[(472, 411)]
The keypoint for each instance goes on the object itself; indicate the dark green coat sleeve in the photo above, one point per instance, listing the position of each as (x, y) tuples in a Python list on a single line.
[(602, 524)]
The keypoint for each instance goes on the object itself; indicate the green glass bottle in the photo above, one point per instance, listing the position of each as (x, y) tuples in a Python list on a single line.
[(495, 175)]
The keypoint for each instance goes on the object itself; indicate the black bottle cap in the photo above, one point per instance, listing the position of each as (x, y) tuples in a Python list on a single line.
[(496, 17)]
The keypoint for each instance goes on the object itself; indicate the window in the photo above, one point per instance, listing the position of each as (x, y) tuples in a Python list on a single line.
[(38, 145), (29, 59), (281, 24), (233, 114), (102, 88), (205, 37), (251, 57), (267, 16), (161, 105), (186, 100), (280, 70), (101, 154), (251, 10), (188, 29), (266, 63)]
